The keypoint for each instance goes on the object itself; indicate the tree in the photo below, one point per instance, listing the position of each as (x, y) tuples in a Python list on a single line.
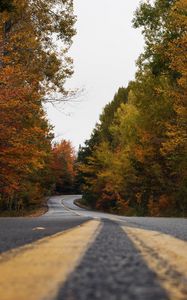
[(63, 158), (138, 163), (28, 39), (154, 19), (24, 139), (31, 68), (174, 148), (95, 161)]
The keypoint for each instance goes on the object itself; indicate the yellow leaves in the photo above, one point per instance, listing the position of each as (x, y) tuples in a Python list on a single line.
[(176, 132), (124, 127), (177, 53), (177, 50), (179, 11), (127, 113), (141, 144), (177, 138)]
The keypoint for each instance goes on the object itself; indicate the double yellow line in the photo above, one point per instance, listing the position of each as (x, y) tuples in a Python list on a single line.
[(38, 270)]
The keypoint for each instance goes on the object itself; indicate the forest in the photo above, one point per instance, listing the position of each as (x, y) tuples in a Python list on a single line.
[(135, 162), (32, 70)]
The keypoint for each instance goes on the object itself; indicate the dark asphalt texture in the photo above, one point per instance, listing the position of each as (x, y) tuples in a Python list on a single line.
[(15, 232), (112, 269), (173, 226)]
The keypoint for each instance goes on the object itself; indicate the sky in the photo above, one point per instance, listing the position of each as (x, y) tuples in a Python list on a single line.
[(104, 51)]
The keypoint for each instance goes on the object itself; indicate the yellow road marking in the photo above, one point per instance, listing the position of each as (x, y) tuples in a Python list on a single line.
[(164, 254), (36, 271)]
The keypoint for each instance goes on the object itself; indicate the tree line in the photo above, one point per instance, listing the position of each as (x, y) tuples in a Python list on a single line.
[(135, 162), (32, 70)]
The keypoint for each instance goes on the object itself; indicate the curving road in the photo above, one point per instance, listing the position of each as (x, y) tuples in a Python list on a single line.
[(71, 253), (173, 226)]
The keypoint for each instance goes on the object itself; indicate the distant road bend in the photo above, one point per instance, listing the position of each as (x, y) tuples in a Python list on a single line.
[(75, 254)]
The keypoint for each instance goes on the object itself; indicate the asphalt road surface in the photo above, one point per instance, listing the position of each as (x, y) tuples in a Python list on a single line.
[(71, 253)]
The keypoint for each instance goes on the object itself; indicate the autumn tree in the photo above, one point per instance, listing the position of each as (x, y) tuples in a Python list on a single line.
[(91, 158), (137, 164), (63, 173), (167, 21), (32, 69), (24, 141), (175, 147)]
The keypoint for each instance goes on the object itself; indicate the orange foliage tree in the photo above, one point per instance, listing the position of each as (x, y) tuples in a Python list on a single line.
[(63, 158), (30, 69)]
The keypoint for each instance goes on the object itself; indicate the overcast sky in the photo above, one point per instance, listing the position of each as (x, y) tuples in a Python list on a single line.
[(104, 51)]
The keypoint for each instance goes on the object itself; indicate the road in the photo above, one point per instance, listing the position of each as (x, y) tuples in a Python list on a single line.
[(71, 253)]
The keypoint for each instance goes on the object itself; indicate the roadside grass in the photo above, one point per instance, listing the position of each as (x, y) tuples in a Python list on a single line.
[(131, 212), (35, 211), (82, 203)]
